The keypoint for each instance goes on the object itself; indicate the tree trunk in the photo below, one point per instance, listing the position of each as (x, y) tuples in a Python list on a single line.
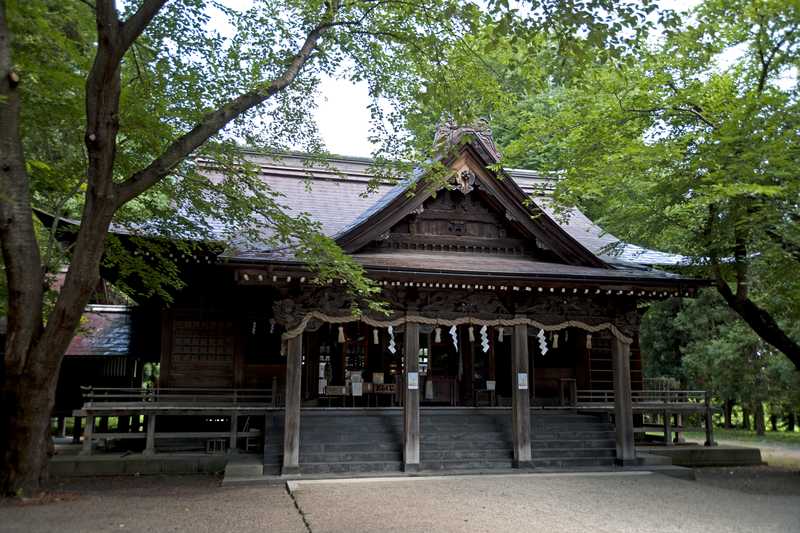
[(758, 420), (745, 419), (728, 412), (27, 442), (773, 422), (791, 421)]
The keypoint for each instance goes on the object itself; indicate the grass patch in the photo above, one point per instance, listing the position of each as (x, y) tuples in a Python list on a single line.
[(784, 438)]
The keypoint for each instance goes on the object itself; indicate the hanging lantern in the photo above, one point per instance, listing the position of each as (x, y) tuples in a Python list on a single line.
[(341, 334), (375, 337), (437, 334), (271, 326), (253, 329)]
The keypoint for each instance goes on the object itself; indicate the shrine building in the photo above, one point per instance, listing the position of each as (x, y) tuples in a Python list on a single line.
[(510, 340)]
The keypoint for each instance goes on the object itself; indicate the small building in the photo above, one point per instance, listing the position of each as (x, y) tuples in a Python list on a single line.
[(510, 338)]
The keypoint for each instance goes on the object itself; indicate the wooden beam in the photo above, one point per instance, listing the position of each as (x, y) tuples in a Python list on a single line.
[(411, 399), (520, 402), (623, 409), (291, 421)]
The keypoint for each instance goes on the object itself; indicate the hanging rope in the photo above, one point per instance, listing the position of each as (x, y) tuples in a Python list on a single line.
[(498, 322)]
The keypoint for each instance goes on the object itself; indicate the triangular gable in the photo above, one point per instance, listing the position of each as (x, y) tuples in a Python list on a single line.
[(500, 195)]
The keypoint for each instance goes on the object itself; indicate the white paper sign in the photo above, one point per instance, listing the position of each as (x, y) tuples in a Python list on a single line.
[(356, 388), (522, 380), (491, 385), (322, 385), (413, 380)]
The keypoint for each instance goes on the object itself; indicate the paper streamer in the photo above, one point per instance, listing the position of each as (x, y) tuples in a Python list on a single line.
[(454, 335), (392, 346), (499, 334), (484, 339), (588, 341), (375, 337), (555, 340), (438, 335), (341, 334), (471, 331), (542, 342)]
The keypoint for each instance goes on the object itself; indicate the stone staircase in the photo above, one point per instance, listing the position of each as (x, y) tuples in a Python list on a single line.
[(361, 441), (351, 441), (456, 439), (566, 440)]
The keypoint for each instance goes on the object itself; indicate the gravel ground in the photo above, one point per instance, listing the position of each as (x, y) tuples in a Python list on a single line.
[(152, 504), (762, 499), (543, 503)]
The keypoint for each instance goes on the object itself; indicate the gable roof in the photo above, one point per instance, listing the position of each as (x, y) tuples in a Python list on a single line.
[(505, 195)]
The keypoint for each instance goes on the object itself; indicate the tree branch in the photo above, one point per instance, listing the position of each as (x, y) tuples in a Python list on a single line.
[(213, 122)]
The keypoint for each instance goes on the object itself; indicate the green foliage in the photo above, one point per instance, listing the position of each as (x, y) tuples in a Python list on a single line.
[(705, 343), (688, 143)]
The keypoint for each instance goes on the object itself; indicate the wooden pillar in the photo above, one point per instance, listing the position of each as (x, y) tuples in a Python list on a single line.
[(291, 419), (150, 442), (87, 436), (709, 421), (411, 399), (232, 445), (76, 429), (679, 439), (61, 426), (520, 401), (667, 428), (623, 409)]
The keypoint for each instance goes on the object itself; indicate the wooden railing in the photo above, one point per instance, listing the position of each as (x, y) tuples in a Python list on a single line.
[(94, 396), (684, 397)]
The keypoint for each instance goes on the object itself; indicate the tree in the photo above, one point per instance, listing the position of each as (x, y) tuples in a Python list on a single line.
[(691, 148), (157, 87)]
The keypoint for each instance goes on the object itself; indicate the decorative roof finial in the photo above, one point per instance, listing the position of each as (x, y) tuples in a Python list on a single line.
[(449, 134)]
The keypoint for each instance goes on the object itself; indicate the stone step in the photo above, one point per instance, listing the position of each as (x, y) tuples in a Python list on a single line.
[(577, 435), (354, 467), (322, 447), (589, 444), (466, 465), (465, 445), (574, 452), (571, 463), (456, 455), (349, 457)]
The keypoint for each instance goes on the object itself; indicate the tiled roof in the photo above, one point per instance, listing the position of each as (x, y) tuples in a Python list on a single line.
[(338, 199), (104, 331), (494, 265)]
